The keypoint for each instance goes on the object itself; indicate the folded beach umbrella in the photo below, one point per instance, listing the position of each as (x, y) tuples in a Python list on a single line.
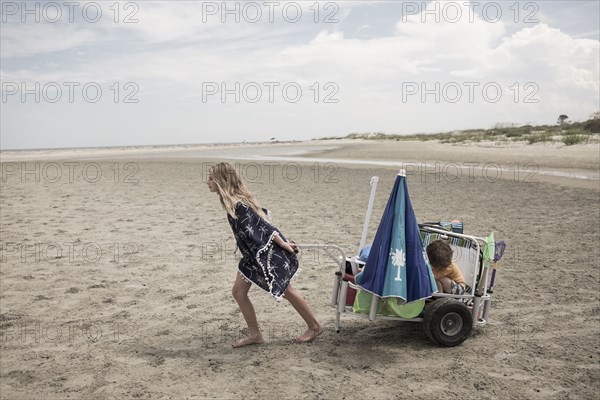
[(397, 266)]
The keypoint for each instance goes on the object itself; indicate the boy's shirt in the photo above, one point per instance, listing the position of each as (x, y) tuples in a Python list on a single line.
[(451, 271)]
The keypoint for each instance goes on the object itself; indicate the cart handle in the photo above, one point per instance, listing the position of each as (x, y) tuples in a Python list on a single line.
[(327, 249)]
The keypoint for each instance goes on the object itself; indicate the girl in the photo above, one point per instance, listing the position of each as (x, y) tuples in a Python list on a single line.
[(268, 259)]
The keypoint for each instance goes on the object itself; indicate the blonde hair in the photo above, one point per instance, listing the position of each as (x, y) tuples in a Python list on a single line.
[(232, 189)]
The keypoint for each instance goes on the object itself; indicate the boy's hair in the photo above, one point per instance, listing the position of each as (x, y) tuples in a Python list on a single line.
[(439, 254)]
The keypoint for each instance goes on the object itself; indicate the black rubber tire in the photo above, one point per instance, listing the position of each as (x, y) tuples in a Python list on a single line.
[(448, 322)]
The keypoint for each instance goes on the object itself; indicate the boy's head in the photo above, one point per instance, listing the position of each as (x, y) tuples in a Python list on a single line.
[(439, 253)]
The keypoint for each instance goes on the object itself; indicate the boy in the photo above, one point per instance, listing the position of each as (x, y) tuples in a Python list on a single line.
[(447, 274)]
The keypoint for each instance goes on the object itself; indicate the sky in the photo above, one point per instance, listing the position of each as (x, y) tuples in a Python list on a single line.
[(107, 73)]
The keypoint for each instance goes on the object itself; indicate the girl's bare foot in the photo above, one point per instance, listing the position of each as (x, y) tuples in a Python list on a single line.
[(248, 341), (310, 334)]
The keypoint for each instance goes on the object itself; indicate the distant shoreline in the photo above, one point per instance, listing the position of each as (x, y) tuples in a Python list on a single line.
[(134, 146), (575, 165)]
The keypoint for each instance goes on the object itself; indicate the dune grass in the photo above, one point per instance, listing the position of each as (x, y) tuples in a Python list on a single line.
[(568, 134)]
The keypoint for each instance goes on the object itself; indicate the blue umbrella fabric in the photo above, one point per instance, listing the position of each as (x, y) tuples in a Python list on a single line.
[(397, 265)]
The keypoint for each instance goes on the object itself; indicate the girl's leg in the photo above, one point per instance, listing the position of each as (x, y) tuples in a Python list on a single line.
[(298, 302), (240, 294)]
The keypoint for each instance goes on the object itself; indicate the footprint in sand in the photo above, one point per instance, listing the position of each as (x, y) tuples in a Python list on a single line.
[(98, 286)]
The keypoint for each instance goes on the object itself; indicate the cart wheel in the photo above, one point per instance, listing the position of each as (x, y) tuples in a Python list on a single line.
[(448, 322)]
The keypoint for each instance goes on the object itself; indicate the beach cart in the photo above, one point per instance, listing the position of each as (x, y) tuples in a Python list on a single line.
[(395, 282)]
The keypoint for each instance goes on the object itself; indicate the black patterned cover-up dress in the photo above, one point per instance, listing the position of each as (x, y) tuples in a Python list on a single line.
[(263, 262)]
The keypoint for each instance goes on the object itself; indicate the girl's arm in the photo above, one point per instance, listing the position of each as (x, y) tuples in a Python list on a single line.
[(285, 245)]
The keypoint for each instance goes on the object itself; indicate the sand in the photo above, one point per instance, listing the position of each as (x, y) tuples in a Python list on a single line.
[(119, 285)]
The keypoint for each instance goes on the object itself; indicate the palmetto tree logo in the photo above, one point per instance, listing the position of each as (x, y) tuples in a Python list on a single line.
[(398, 261)]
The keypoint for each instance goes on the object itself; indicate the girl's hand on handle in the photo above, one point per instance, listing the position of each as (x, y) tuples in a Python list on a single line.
[(293, 247), (290, 246)]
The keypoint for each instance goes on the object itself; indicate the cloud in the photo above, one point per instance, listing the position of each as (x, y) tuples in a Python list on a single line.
[(24, 40)]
